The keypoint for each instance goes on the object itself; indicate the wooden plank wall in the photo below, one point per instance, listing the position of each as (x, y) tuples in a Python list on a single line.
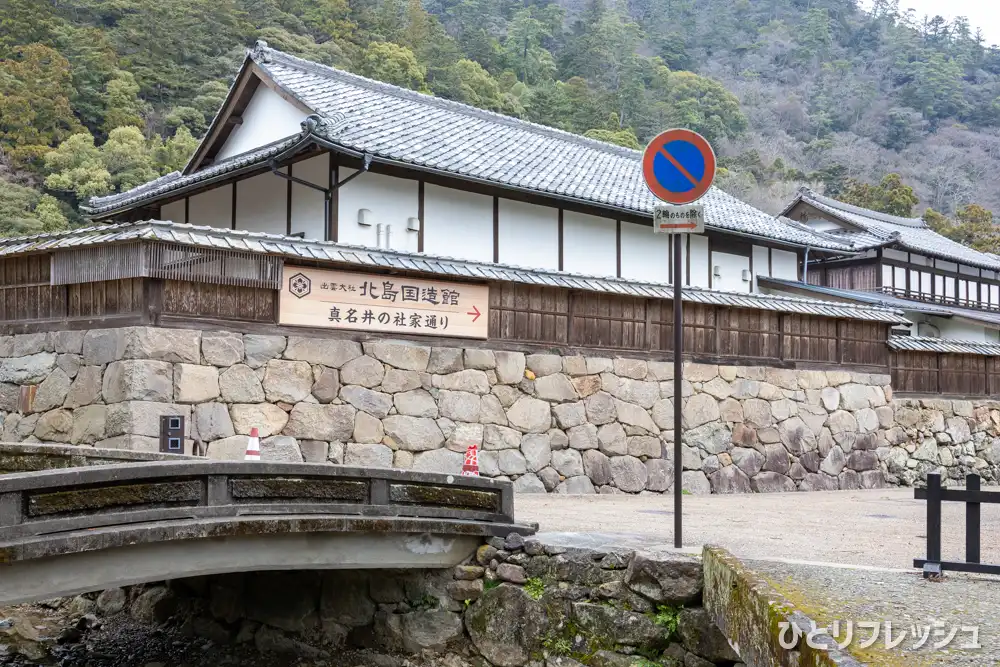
[(227, 302), (936, 373), (582, 319), (26, 293)]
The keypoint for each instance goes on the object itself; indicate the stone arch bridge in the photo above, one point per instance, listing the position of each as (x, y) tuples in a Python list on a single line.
[(75, 530)]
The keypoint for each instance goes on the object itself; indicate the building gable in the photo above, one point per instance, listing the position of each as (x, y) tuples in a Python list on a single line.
[(267, 118)]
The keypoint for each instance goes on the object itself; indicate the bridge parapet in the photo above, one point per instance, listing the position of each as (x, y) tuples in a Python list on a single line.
[(56, 501), (69, 531)]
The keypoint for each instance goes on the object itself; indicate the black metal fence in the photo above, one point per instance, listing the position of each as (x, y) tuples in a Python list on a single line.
[(973, 497)]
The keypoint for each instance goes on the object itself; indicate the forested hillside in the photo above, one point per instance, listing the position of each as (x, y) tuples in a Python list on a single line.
[(101, 95)]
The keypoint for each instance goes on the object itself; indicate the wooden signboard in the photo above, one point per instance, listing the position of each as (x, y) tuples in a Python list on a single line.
[(393, 304)]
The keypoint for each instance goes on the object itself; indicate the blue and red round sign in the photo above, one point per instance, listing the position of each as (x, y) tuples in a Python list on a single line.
[(679, 166)]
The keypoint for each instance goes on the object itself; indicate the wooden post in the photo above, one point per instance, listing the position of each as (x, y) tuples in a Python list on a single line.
[(933, 517), (781, 336), (972, 516)]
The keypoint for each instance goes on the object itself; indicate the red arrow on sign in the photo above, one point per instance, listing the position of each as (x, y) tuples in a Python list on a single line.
[(475, 312), (678, 225)]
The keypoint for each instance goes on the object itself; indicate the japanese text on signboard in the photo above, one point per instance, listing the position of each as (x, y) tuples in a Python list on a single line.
[(360, 301)]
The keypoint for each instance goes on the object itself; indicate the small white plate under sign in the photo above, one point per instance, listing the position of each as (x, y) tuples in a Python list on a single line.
[(668, 219)]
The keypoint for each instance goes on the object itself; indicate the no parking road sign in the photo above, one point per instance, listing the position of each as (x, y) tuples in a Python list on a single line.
[(679, 167)]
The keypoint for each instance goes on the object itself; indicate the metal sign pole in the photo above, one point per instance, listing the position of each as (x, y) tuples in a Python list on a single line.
[(678, 166), (678, 373)]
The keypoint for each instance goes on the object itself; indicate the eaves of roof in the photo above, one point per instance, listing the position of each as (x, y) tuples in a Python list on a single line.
[(887, 301), (915, 344), (360, 256)]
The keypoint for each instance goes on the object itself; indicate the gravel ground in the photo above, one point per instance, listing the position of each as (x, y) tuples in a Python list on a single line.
[(883, 528)]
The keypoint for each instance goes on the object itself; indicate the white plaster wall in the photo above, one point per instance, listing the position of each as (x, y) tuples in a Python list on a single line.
[(589, 244), (529, 235), (968, 270), (173, 212), (699, 261), (391, 201), (821, 225), (925, 282), (946, 266), (213, 208), (760, 266), (458, 223), (889, 253), (886, 276), (914, 281), (995, 295), (949, 287), (730, 274), (262, 204), (957, 329), (307, 204), (645, 255), (267, 118), (784, 265), (684, 240)]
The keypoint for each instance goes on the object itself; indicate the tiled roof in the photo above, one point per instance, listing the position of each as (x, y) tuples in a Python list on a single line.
[(990, 318), (914, 344), (359, 256), (911, 233), (396, 125), (175, 181)]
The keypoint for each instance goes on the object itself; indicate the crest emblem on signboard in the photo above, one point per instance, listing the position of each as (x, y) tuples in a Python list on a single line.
[(299, 285)]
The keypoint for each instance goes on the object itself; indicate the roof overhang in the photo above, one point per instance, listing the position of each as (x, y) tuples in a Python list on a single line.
[(360, 257)]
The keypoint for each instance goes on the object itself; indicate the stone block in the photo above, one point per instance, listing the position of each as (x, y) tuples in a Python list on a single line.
[(102, 346), (527, 483), (415, 434), (730, 479), (368, 429), (630, 368), (364, 371), (576, 486), (88, 424), (469, 380), (240, 384), (260, 349), (52, 391), (280, 448), (597, 467), (567, 462), (156, 343), (510, 462), (331, 423), (86, 387), (314, 451), (543, 364), (195, 384), (586, 385), (633, 415), (574, 366), (600, 408), (287, 381), (141, 417), (367, 455), (492, 411), (480, 359), (659, 475), (510, 367), (400, 354), (222, 348), (556, 388), (69, 363), (771, 482), (496, 438), (445, 360), (700, 409), (611, 439), (644, 446), (31, 369), (213, 422), (33, 343), (695, 482), (464, 435), (416, 403), (331, 352), (374, 403), (628, 473), (536, 450), (138, 380), (459, 405), (396, 381), (267, 418), (530, 415)]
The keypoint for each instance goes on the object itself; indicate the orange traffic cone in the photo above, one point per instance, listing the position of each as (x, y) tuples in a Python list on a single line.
[(253, 446), (471, 466)]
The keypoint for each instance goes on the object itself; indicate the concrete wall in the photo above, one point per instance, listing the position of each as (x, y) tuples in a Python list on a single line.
[(567, 424)]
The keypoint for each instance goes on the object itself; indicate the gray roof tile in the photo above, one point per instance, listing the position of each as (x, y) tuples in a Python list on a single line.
[(882, 229), (404, 126)]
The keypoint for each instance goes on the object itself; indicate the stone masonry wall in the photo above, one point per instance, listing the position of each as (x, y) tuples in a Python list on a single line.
[(516, 603), (568, 424)]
